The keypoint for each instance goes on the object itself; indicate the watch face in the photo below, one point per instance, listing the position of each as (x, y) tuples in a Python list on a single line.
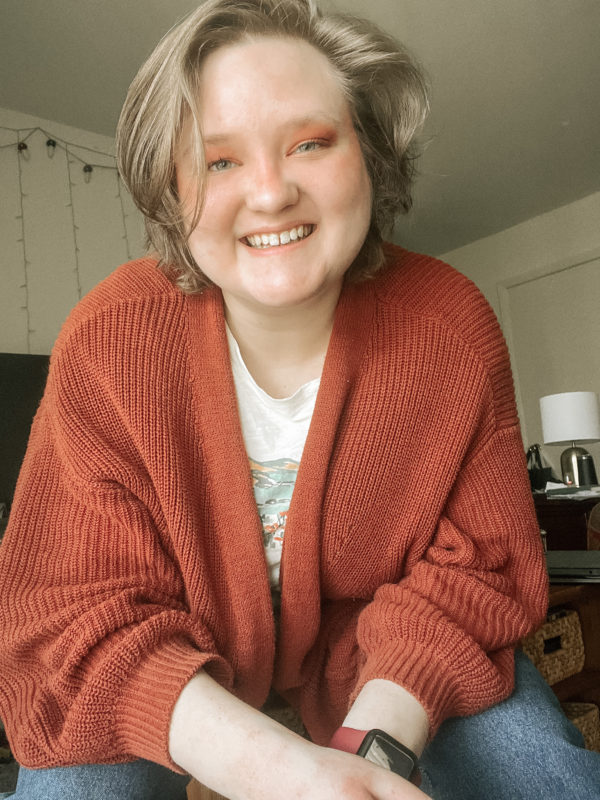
[(386, 752)]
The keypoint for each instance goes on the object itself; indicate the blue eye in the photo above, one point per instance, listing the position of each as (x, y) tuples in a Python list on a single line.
[(220, 165), (308, 147)]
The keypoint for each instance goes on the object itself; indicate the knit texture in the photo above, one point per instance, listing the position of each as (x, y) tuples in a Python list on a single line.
[(134, 557)]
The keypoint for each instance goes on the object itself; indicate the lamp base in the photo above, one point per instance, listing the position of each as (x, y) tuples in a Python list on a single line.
[(578, 467)]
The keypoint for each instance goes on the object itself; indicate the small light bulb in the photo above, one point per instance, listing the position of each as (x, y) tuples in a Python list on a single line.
[(50, 147), (87, 173), (23, 150)]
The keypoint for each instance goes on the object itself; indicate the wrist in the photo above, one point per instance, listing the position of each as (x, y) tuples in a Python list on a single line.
[(389, 707), (380, 748)]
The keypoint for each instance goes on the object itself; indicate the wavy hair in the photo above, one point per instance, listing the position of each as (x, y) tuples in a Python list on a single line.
[(384, 86)]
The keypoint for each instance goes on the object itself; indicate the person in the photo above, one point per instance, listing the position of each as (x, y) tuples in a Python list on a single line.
[(278, 463)]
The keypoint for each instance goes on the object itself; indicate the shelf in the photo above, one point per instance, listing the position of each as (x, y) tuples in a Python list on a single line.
[(565, 593)]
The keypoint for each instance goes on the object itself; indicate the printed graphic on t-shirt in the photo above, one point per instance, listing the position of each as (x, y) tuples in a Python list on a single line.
[(273, 487)]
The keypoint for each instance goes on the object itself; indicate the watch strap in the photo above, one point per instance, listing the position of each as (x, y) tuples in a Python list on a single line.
[(347, 739)]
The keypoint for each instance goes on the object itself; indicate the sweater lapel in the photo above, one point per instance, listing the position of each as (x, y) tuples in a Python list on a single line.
[(233, 507), (300, 567)]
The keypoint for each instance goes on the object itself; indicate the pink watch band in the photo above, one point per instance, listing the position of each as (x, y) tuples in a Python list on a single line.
[(347, 739)]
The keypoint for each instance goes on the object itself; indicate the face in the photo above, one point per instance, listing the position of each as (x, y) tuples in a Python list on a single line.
[(287, 195)]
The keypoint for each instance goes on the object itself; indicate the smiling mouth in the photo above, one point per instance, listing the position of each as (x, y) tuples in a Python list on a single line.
[(262, 241)]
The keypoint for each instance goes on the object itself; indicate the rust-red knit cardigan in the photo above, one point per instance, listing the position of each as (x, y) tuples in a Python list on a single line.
[(134, 553)]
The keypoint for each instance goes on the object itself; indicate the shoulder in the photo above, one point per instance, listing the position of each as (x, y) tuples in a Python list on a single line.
[(135, 281), (423, 287), (126, 297), (430, 287)]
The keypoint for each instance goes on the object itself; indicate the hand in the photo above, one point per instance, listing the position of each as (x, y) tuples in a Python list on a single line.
[(319, 773)]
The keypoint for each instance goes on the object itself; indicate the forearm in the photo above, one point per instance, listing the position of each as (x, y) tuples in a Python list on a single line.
[(222, 741), (244, 755), (385, 705)]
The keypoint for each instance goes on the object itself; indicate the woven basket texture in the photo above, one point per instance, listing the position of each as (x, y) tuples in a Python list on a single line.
[(556, 648), (586, 717)]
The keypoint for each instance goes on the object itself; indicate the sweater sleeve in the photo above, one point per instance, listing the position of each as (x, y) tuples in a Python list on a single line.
[(97, 640), (447, 630)]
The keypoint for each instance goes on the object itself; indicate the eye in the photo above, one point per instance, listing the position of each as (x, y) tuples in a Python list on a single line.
[(310, 146), (220, 165)]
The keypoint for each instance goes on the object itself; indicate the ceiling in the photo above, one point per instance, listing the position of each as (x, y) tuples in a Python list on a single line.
[(515, 122)]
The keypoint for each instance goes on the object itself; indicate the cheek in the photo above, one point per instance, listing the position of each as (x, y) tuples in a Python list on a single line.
[(217, 218), (352, 184)]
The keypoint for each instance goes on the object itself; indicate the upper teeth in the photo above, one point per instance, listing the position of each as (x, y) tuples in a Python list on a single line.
[(275, 239)]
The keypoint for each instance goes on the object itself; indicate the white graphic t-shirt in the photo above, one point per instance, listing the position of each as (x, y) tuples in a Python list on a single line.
[(274, 432)]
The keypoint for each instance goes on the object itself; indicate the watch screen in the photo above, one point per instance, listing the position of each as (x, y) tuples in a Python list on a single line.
[(384, 753), (378, 755)]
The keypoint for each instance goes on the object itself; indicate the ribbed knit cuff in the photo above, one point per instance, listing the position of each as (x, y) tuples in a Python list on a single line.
[(143, 715), (435, 681)]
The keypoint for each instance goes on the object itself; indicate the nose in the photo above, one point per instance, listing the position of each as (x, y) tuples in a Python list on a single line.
[(270, 188)]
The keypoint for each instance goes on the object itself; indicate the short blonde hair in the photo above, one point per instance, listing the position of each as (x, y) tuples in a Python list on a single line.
[(385, 89)]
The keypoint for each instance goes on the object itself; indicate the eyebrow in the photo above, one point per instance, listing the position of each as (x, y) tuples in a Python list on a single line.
[(292, 124)]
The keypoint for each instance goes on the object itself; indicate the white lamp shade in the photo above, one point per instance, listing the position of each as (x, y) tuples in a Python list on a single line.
[(570, 417)]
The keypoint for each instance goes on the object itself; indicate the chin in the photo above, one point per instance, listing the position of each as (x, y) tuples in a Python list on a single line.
[(276, 301)]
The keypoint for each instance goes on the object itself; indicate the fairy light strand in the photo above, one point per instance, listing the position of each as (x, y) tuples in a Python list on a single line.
[(74, 154), (75, 228), (88, 165), (25, 284), (124, 216)]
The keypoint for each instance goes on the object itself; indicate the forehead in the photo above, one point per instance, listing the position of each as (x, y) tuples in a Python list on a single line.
[(267, 77)]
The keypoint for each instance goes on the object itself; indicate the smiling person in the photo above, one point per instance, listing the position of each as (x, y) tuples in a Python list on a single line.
[(274, 528)]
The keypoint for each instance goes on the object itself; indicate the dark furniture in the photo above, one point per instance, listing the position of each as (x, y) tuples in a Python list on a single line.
[(585, 599), (22, 381), (565, 521), (566, 525)]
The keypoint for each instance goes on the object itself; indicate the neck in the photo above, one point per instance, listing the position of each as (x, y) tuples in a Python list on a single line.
[(284, 348)]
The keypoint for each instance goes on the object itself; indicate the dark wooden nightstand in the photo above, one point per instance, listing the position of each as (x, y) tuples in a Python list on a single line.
[(565, 521)]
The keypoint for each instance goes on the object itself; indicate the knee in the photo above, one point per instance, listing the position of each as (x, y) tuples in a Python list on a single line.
[(520, 748)]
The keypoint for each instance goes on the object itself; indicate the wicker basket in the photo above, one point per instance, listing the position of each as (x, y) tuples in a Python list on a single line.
[(586, 717), (556, 648)]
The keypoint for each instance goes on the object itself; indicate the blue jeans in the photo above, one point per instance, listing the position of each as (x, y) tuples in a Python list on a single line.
[(521, 749)]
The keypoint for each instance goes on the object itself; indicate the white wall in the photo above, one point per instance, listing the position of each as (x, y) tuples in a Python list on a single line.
[(60, 235), (543, 279)]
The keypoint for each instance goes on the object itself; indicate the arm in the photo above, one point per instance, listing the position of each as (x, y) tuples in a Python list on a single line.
[(97, 639), (466, 577), (476, 582), (245, 755), (447, 630)]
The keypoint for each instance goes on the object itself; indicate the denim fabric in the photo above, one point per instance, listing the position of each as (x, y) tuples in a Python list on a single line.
[(137, 780), (521, 749)]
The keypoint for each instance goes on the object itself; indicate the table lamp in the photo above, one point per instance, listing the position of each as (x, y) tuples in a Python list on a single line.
[(570, 418)]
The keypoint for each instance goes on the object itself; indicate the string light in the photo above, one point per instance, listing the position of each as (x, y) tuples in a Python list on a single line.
[(25, 144), (52, 143)]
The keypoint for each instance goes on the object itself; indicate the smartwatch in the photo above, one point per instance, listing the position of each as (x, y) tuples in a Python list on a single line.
[(380, 748)]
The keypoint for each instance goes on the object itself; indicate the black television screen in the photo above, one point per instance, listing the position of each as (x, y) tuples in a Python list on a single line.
[(22, 382)]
